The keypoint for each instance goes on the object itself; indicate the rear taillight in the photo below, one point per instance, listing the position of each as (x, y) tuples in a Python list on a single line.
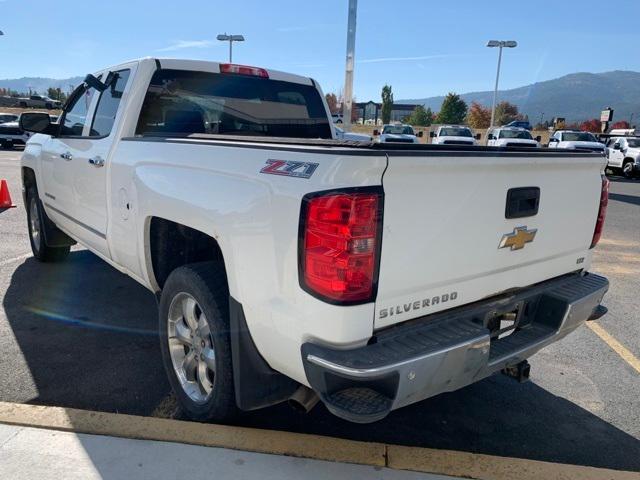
[(340, 244), (602, 212), (243, 70)]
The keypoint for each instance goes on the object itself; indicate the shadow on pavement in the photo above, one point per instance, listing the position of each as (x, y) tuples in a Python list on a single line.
[(87, 334), (633, 200)]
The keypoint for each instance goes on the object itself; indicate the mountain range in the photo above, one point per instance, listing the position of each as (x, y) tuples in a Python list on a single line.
[(40, 84), (578, 96)]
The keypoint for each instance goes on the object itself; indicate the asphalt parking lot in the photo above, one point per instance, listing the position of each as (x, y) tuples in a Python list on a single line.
[(80, 334)]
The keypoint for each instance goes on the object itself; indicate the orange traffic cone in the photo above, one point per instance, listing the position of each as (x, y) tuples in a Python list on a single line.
[(5, 196)]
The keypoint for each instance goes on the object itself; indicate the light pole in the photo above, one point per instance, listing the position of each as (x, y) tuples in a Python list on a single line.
[(500, 44), (223, 37), (347, 103)]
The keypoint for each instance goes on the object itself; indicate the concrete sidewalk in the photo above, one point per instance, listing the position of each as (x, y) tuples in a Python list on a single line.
[(27, 452)]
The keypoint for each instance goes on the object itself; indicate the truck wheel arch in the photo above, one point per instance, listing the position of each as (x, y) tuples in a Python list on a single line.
[(171, 245)]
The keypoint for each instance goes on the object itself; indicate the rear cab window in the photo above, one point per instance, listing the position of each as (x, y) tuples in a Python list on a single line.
[(183, 102)]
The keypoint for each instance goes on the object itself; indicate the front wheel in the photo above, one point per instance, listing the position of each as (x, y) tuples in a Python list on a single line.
[(195, 342), (35, 222)]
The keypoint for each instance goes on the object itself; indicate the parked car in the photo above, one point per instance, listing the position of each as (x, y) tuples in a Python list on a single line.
[(39, 101), (397, 133), (289, 266), (8, 117), (356, 137), (336, 117), (623, 154), (453, 135), (511, 137), (520, 124), (573, 139), (11, 134)]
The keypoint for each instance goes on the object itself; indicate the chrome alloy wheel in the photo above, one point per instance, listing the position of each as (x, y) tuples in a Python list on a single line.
[(191, 347), (34, 220)]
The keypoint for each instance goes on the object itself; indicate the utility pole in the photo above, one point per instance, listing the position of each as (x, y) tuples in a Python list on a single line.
[(347, 104)]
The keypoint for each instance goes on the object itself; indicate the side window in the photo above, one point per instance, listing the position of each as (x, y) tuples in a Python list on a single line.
[(75, 116), (108, 104)]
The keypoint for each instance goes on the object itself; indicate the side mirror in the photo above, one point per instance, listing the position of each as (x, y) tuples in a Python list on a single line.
[(491, 137), (477, 136), (538, 138), (432, 134), (552, 140), (420, 134), (376, 132), (36, 122), (616, 146)]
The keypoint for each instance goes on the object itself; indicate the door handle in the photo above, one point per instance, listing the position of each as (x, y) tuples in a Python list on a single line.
[(66, 155), (97, 161)]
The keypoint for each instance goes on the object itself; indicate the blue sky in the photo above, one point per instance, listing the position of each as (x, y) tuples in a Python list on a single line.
[(422, 48)]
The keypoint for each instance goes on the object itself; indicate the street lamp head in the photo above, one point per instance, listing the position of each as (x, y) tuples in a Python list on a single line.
[(230, 38), (502, 43)]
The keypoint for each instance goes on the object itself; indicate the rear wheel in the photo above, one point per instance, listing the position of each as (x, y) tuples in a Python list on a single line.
[(35, 221), (195, 343)]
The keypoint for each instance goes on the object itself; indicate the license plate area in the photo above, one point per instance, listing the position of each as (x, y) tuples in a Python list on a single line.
[(505, 321)]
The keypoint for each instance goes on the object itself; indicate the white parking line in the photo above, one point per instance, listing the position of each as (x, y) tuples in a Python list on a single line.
[(9, 261)]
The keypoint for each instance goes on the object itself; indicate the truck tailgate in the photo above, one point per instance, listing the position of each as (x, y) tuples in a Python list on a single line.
[(445, 218)]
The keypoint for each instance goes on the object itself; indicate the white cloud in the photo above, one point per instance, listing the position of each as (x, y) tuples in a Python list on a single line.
[(401, 59), (182, 44)]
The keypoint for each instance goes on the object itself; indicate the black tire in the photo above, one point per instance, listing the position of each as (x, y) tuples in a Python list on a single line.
[(627, 169), (207, 284), (41, 251)]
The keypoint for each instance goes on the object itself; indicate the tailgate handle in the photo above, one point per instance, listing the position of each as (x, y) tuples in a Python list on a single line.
[(522, 202)]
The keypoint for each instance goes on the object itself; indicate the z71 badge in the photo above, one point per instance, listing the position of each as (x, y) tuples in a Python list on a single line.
[(290, 168)]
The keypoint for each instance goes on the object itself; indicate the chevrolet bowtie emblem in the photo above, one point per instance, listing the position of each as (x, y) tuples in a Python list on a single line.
[(518, 239)]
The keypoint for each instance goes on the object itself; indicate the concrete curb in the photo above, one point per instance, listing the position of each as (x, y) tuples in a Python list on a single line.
[(444, 462)]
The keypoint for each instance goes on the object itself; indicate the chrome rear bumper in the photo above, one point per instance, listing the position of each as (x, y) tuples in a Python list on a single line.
[(449, 350)]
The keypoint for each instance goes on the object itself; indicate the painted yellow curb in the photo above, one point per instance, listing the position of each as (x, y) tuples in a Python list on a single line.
[(487, 467), (237, 438), (444, 462)]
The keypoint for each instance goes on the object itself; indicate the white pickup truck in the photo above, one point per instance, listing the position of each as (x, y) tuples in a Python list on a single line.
[(289, 265), (453, 135)]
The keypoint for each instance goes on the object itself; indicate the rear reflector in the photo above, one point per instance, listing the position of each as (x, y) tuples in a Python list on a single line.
[(602, 212), (340, 243), (243, 70)]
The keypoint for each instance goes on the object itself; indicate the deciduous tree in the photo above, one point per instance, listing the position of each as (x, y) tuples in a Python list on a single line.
[(506, 112), (332, 102), (621, 124), (593, 125), (478, 116)]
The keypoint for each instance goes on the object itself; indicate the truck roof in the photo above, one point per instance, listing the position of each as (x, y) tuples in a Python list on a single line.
[(208, 66)]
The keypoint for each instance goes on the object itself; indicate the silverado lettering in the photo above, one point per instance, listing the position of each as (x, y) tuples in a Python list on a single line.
[(417, 305)]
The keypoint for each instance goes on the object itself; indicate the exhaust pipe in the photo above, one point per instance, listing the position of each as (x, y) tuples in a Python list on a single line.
[(303, 399)]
